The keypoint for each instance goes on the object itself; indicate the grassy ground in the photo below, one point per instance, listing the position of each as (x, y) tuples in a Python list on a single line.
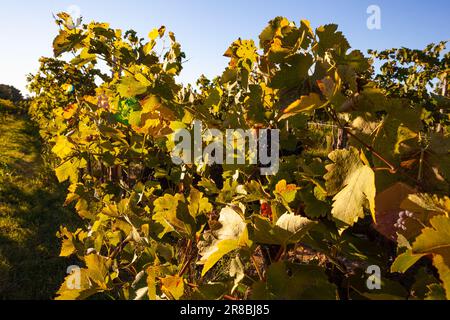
[(31, 212)]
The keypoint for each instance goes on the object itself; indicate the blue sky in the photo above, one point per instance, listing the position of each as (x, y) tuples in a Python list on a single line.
[(206, 28)]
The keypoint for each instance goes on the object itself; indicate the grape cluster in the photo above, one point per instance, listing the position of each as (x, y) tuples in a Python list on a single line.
[(103, 101), (401, 222)]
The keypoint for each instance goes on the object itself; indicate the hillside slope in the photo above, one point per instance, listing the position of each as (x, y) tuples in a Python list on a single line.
[(31, 212)]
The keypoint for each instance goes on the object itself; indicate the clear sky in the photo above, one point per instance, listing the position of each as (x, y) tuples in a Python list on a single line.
[(206, 28)]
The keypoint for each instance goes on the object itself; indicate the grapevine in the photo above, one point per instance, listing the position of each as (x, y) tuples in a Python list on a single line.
[(108, 105)]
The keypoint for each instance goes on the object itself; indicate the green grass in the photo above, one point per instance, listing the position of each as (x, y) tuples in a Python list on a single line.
[(31, 211)]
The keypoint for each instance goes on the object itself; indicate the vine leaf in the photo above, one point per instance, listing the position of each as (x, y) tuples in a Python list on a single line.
[(198, 204), (287, 281), (172, 213), (435, 241), (294, 70), (307, 103), (422, 202), (330, 38), (63, 147), (230, 236), (153, 34), (173, 286), (69, 170), (67, 290), (237, 271), (88, 281), (405, 261), (129, 87), (435, 292), (289, 229), (221, 248), (354, 183), (286, 191), (68, 247), (294, 227)]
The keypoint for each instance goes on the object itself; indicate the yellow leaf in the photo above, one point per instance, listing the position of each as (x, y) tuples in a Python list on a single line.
[(67, 248), (151, 104), (353, 182), (63, 147), (70, 111), (304, 104), (173, 286), (435, 241), (231, 236), (142, 79), (221, 249), (129, 87), (153, 34), (149, 46), (403, 134), (283, 187), (91, 99), (348, 204), (85, 55), (151, 283)]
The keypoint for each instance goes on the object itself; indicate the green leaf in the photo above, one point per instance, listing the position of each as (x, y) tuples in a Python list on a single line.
[(435, 292), (390, 290), (209, 186), (405, 261), (426, 286), (356, 61), (330, 38), (287, 281), (314, 208), (292, 72), (210, 291)]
